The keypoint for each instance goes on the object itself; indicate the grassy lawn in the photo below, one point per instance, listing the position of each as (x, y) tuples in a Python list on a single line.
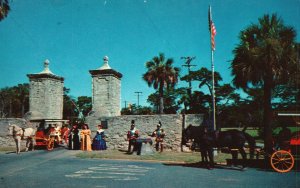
[(4, 149), (167, 156)]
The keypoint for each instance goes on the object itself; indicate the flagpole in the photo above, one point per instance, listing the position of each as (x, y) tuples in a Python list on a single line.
[(212, 71), (213, 89)]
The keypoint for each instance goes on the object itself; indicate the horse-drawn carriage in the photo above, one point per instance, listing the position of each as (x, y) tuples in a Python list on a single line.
[(285, 150), (50, 135), (282, 159)]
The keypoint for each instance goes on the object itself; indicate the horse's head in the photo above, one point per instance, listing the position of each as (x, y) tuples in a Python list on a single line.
[(187, 134), (193, 132), (10, 130)]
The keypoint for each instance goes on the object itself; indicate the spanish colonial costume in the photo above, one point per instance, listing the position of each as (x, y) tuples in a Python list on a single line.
[(74, 143), (99, 142), (85, 137)]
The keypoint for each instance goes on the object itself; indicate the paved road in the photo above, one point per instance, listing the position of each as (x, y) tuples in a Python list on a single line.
[(59, 168)]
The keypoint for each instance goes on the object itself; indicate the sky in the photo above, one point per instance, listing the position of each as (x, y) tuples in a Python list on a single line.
[(75, 35)]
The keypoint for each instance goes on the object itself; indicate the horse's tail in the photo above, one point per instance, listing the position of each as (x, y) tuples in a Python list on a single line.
[(252, 143)]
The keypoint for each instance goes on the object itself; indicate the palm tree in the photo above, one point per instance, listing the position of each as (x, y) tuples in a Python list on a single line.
[(161, 74), (261, 59)]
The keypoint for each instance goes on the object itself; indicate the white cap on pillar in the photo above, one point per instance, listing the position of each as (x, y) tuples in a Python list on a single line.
[(46, 68), (105, 63)]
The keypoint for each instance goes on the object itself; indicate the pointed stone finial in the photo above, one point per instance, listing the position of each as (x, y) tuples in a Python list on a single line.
[(46, 67), (105, 63)]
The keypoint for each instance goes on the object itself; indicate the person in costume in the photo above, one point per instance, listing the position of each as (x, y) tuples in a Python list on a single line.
[(159, 135), (64, 133), (132, 135), (54, 131), (283, 138), (74, 143), (85, 138), (58, 133), (99, 142)]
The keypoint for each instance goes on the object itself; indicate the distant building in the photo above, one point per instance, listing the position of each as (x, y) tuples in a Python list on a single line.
[(45, 95), (106, 91)]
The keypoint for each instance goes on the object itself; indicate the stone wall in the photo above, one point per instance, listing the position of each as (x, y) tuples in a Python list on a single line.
[(117, 128), (5, 140)]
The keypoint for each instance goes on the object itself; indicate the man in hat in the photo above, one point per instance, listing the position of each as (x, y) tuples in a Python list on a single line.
[(132, 135), (74, 143), (159, 135)]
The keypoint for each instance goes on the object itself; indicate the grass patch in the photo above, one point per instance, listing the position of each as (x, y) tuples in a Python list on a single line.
[(7, 149), (166, 156)]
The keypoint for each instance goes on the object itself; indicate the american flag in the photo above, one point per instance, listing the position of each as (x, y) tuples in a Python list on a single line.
[(212, 29)]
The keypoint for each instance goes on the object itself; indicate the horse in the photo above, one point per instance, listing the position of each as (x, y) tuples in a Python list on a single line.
[(19, 134), (233, 139)]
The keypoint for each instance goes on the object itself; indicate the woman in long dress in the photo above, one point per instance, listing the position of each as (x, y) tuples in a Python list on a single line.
[(99, 142), (85, 137)]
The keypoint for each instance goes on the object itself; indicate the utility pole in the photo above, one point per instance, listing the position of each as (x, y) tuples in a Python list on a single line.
[(139, 93), (125, 104), (188, 65)]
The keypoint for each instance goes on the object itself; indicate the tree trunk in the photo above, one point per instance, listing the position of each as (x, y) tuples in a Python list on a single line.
[(10, 108), (267, 119), (161, 100), (23, 107)]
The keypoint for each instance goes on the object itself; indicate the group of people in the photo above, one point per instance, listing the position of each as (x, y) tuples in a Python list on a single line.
[(133, 136), (82, 139)]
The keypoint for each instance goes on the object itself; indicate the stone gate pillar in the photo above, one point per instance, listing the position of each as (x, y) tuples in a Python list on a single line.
[(45, 95), (106, 91)]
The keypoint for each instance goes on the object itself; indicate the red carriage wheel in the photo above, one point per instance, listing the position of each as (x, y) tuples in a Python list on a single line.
[(50, 144), (282, 161)]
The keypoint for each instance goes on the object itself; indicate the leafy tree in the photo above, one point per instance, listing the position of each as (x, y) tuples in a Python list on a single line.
[(171, 100), (184, 99), (84, 103), (153, 99), (287, 92), (171, 97), (161, 74), (265, 51), (22, 96), (14, 101), (4, 9), (134, 110), (126, 111), (204, 76), (68, 109), (200, 103), (224, 94), (6, 98)]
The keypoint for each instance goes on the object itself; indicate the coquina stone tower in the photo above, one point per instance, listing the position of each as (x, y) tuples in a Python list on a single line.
[(106, 91), (46, 94)]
